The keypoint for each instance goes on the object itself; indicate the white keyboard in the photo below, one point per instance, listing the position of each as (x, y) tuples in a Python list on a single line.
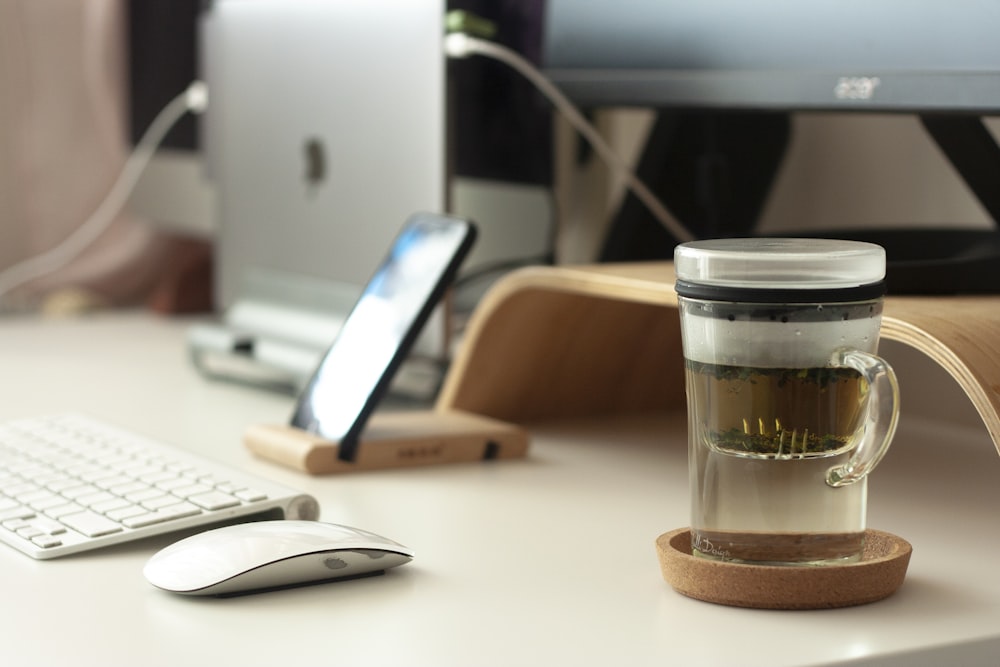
[(70, 483)]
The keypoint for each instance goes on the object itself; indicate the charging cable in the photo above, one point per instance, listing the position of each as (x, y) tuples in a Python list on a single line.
[(462, 45), (194, 99)]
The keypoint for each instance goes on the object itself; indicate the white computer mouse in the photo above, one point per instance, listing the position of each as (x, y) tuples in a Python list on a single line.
[(251, 557)]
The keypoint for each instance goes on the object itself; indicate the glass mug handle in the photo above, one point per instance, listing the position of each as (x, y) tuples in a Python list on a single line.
[(880, 420)]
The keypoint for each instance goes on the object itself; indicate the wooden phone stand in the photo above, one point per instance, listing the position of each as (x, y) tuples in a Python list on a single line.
[(393, 440)]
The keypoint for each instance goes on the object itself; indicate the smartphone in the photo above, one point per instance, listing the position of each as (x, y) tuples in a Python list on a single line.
[(381, 328)]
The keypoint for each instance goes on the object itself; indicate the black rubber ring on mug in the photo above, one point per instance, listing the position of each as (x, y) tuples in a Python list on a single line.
[(705, 292)]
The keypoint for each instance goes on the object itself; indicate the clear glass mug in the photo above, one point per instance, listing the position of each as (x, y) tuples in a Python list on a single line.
[(789, 408)]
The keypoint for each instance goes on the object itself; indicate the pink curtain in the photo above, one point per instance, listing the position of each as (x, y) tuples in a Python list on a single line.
[(63, 87)]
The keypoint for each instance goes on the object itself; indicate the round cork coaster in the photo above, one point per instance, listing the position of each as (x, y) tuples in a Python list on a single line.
[(877, 575)]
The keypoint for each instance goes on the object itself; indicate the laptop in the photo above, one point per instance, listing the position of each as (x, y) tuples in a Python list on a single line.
[(325, 131)]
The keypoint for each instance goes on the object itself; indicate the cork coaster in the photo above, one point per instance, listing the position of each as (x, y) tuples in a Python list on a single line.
[(877, 575)]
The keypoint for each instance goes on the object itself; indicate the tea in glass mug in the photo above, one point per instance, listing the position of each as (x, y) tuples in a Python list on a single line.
[(789, 407)]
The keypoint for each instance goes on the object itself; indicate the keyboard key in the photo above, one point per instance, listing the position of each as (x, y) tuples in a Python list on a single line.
[(41, 495), (177, 511), (157, 477), (19, 488), (97, 473), (159, 502), (191, 490), (90, 523), (250, 495), (48, 526), (174, 483), (58, 485), (96, 498), (126, 512), (108, 505), (84, 470), (214, 500), (109, 483), (76, 491), (42, 504), (19, 512), (63, 510), (8, 504), (130, 487), (46, 541), (145, 494)]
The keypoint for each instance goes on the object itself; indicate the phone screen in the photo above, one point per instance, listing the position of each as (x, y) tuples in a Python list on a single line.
[(381, 328)]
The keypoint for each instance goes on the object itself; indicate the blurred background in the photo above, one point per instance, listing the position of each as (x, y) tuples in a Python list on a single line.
[(79, 81)]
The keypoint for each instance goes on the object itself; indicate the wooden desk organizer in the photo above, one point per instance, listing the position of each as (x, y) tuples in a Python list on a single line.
[(393, 440), (605, 339)]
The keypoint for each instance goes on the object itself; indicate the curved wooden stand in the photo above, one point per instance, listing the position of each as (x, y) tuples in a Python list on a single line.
[(605, 339)]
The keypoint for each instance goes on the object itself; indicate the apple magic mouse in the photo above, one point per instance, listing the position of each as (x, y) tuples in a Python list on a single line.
[(251, 557)]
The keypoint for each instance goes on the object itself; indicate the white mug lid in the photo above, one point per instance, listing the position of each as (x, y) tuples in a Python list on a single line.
[(714, 268)]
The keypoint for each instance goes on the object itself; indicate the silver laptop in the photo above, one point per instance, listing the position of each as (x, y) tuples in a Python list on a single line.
[(325, 131)]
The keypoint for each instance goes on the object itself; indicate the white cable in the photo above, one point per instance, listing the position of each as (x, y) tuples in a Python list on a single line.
[(195, 99), (461, 45)]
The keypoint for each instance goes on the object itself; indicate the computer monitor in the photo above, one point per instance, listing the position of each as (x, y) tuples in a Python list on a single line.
[(725, 76), (873, 55)]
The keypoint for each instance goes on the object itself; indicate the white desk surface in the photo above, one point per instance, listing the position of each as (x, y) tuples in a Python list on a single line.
[(549, 560)]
